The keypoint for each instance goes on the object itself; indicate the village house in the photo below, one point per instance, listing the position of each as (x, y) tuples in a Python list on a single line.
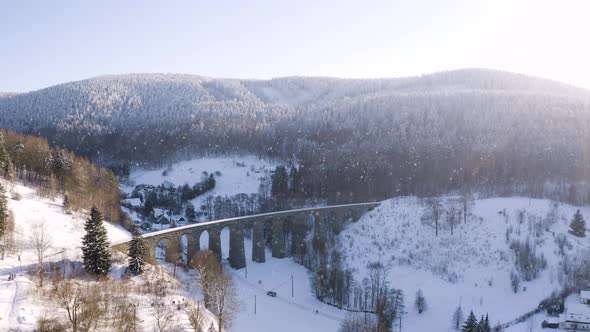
[(577, 315)]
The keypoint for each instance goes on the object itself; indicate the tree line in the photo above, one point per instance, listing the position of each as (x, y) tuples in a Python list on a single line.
[(57, 171)]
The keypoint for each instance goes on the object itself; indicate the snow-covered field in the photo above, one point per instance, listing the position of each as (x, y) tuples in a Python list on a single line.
[(471, 267), (239, 174)]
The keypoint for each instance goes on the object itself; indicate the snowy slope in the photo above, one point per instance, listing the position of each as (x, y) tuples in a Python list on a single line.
[(233, 175), (20, 303), (239, 174), (470, 267), (16, 308)]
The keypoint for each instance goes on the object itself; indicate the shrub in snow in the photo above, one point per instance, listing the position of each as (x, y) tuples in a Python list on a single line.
[(527, 263)]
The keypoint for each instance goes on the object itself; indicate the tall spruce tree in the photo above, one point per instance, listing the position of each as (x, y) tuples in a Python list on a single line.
[(5, 163), (3, 212), (280, 183), (481, 325), (486, 325), (95, 245), (578, 225), (471, 324), (136, 252)]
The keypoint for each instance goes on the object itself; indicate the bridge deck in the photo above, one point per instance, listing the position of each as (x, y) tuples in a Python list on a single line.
[(254, 216)]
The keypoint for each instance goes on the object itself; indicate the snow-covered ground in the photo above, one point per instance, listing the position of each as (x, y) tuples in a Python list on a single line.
[(17, 311), (239, 174), (471, 267), (282, 313), (233, 175)]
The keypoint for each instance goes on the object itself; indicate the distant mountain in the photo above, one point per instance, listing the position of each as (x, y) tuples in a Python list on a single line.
[(433, 132)]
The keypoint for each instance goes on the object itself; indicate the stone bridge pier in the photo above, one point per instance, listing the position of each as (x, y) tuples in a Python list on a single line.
[(287, 231)]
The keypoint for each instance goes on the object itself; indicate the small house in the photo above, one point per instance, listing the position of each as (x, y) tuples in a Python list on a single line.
[(585, 297), (163, 220), (134, 202), (576, 317)]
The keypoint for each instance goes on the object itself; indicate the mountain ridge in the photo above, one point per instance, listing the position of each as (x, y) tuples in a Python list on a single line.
[(436, 132), (488, 76)]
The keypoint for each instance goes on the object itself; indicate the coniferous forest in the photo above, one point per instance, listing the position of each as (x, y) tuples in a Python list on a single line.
[(351, 140)]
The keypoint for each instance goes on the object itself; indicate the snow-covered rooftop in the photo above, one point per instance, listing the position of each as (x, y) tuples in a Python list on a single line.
[(578, 312), (133, 201), (585, 295)]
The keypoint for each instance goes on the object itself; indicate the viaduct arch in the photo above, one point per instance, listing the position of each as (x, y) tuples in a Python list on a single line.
[(327, 216)]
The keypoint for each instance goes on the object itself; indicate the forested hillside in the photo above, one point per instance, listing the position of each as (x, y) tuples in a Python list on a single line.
[(58, 172), (352, 140)]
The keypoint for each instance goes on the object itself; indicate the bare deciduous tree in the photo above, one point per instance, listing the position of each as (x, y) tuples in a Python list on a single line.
[(41, 242), (195, 317), (224, 300), (218, 290), (433, 212), (163, 313), (69, 297), (453, 217)]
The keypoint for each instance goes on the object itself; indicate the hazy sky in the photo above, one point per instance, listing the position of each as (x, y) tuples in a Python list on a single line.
[(49, 42)]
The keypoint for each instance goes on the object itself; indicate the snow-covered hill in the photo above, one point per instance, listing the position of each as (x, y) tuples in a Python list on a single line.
[(233, 175), (471, 267)]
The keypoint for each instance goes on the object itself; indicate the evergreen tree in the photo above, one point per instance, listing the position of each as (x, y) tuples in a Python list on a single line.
[(3, 212), (578, 225), (280, 182), (486, 326), (420, 302), (470, 324), (457, 318), (66, 203), (481, 325), (5, 163), (296, 182), (191, 214), (136, 252), (95, 245)]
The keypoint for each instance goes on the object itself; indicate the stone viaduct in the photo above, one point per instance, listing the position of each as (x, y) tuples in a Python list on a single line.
[(279, 224)]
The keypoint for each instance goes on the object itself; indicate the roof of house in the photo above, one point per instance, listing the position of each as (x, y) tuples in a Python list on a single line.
[(585, 294), (134, 201), (577, 312)]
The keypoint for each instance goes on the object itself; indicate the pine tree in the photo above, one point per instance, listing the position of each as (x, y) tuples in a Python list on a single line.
[(481, 325), (578, 225), (5, 163), (95, 245), (3, 212), (66, 203), (296, 181), (280, 182), (470, 324), (420, 302), (136, 252), (457, 318), (486, 326)]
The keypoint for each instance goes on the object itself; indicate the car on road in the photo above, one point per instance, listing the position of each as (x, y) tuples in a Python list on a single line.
[(271, 293)]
